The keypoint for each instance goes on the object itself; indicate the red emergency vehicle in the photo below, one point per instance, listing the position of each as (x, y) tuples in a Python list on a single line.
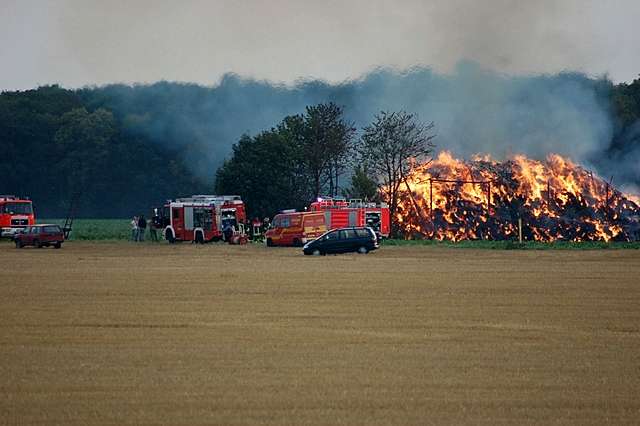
[(202, 218), (16, 213), (340, 213), (291, 228)]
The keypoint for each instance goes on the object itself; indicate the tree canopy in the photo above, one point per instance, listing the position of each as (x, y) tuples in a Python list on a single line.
[(54, 146), (127, 148), (291, 164)]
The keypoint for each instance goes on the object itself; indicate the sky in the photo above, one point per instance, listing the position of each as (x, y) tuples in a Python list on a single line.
[(77, 43)]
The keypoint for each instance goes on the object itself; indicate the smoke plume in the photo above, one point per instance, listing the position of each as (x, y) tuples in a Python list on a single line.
[(474, 110)]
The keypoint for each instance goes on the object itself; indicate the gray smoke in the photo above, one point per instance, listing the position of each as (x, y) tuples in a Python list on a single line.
[(474, 111), (477, 111)]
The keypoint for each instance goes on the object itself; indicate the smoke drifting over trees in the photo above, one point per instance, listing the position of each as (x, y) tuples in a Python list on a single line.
[(187, 128), (474, 110)]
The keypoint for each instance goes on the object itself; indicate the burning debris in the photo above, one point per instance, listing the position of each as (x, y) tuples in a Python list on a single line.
[(450, 199)]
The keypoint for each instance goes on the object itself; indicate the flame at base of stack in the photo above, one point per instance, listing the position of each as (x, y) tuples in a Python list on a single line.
[(450, 199)]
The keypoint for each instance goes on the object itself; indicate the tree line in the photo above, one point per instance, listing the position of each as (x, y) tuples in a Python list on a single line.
[(127, 148), (54, 148)]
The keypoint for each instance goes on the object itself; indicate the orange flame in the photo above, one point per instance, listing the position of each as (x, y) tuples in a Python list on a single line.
[(482, 199)]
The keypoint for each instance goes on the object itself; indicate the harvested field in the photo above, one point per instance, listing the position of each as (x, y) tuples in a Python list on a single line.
[(127, 334)]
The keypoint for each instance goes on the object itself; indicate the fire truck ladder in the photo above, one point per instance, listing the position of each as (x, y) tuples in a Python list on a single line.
[(71, 214)]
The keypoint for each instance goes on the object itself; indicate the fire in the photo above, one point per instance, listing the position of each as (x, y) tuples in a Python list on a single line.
[(452, 199)]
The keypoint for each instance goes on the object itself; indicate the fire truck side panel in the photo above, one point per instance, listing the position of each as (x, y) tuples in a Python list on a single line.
[(188, 218), (386, 223), (339, 218), (177, 220), (353, 217), (340, 213)]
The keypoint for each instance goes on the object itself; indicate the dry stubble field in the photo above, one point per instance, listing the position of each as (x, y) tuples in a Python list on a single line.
[(128, 334)]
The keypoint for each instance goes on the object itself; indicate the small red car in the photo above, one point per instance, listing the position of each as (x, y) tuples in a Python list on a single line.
[(40, 236)]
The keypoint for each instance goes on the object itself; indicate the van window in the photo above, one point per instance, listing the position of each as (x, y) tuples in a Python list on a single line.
[(51, 229), (363, 233), (346, 234), (332, 236), (285, 222)]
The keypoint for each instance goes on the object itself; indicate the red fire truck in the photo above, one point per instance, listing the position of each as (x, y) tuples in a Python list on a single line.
[(340, 213), (291, 228), (16, 213), (202, 218)]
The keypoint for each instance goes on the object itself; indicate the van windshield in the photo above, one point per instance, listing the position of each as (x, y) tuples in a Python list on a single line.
[(286, 221), (16, 208)]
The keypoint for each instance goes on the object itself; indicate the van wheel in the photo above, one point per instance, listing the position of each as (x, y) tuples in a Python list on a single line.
[(269, 242), (316, 252), (297, 242), (57, 245), (19, 244), (168, 235), (363, 250), (199, 238), (37, 243)]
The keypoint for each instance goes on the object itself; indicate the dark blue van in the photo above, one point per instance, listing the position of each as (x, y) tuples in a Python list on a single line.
[(343, 240)]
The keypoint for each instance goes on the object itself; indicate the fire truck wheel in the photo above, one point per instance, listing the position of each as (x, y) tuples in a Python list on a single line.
[(363, 250), (168, 235), (269, 242), (297, 243), (199, 238)]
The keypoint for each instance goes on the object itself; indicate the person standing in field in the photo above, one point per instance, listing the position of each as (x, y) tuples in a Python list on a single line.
[(134, 229), (153, 226), (142, 225)]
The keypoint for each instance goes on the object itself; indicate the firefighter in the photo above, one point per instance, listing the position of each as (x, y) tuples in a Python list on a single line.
[(227, 232), (256, 231), (134, 229), (142, 225), (153, 226)]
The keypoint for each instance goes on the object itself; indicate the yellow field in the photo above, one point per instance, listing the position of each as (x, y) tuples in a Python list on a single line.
[(130, 334)]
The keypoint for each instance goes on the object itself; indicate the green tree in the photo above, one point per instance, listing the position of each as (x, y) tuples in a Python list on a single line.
[(55, 143), (83, 142), (388, 148), (362, 186), (266, 171), (326, 142)]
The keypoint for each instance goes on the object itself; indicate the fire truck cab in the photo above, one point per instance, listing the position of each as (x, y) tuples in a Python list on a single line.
[(16, 213), (340, 213), (202, 218)]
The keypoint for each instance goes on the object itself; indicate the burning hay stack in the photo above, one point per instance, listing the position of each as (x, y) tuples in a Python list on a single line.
[(450, 199)]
